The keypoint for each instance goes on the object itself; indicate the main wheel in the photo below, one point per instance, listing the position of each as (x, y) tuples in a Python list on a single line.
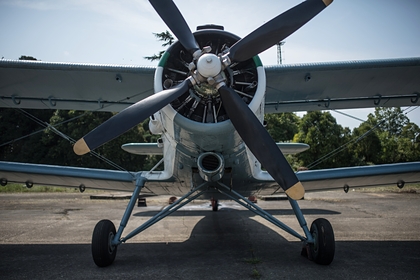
[(323, 249), (103, 251)]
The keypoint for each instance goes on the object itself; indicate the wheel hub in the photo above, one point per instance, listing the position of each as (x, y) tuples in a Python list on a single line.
[(111, 247)]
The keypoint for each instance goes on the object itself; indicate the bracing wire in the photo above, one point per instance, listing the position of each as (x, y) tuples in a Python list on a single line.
[(46, 125), (355, 140)]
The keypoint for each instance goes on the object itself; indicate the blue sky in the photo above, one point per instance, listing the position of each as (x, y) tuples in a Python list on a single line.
[(120, 32)]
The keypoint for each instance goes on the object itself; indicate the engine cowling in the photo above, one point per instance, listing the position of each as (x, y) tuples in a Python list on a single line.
[(202, 103)]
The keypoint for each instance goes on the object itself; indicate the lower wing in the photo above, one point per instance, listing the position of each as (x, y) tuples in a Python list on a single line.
[(160, 182)]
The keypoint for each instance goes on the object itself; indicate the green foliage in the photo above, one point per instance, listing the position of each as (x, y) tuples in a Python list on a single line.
[(20, 188), (21, 137), (255, 274), (253, 261), (386, 137), (282, 127), (321, 131), (167, 40), (391, 119), (397, 135), (45, 146), (367, 149), (26, 57)]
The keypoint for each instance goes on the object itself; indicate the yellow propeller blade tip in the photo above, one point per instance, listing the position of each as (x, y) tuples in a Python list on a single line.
[(296, 191), (80, 147), (327, 2)]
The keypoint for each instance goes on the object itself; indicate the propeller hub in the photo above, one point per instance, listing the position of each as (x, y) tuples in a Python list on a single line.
[(209, 65)]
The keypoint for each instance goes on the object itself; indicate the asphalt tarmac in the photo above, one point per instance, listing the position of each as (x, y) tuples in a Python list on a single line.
[(47, 236)]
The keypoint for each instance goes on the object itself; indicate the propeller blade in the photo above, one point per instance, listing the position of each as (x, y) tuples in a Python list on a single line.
[(260, 143), (276, 30), (173, 18), (128, 118)]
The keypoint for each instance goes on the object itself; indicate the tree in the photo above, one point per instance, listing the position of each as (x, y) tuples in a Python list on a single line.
[(60, 150), (282, 127), (26, 57), (321, 131), (396, 134), (21, 135), (167, 40), (390, 119), (25, 141), (367, 147)]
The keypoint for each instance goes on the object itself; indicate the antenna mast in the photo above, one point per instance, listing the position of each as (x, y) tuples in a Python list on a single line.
[(279, 53)]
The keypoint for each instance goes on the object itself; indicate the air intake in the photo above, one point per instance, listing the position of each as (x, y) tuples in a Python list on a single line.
[(211, 166)]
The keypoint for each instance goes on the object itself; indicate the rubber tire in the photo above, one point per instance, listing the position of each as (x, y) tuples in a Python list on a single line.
[(322, 251), (102, 252)]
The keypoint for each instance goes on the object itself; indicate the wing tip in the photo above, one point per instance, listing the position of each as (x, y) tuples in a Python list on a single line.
[(296, 191), (80, 147)]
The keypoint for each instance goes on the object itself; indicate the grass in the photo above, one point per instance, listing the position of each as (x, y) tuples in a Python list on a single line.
[(408, 188), (255, 274), (253, 261), (21, 188)]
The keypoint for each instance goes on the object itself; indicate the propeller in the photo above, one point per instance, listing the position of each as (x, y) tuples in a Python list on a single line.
[(260, 143), (209, 68), (176, 22), (276, 30), (243, 119), (128, 118)]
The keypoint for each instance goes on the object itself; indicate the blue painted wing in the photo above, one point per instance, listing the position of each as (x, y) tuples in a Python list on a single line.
[(72, 86), (360, 176), (290, 88), (353, 177), (90, 178), (343, 85), (160, 183), (66, 176)]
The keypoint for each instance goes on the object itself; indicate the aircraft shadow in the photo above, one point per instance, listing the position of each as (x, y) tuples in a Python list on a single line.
[(227, 244), (217, 249), (277, 212)]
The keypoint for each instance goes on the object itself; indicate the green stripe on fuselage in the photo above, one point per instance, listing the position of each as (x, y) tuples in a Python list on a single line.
[(257, 61), (164, 59)]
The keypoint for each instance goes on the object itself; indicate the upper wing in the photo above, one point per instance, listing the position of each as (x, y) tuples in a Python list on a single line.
[(290, 88), (71, 86), (343, 85)]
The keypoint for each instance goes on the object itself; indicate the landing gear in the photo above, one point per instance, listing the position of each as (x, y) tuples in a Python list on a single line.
[(323, 249), (105, 240), (103, 251), (214, 204), (318, 240)]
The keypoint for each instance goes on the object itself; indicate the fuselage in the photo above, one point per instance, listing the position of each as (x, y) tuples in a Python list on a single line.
[(196, 124)]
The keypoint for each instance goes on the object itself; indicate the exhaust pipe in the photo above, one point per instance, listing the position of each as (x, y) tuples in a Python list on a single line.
[(211, 166)]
